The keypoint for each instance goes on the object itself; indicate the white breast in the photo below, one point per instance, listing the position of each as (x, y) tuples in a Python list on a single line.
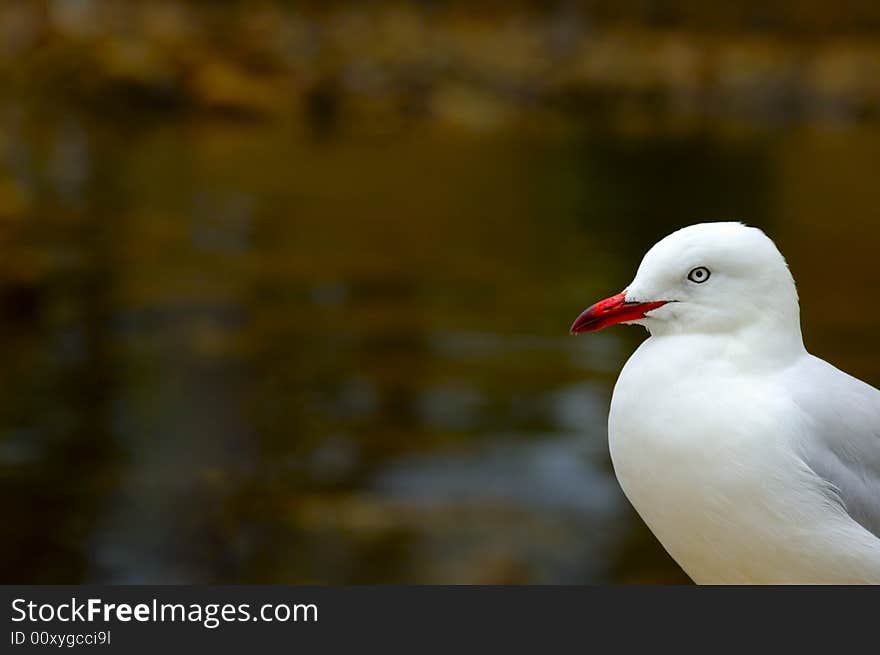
[(702, 451)]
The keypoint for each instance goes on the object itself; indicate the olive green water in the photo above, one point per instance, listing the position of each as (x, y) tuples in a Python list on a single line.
[(239, 352)]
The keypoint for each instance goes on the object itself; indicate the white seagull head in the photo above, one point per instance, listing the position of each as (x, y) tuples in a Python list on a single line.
[(709, 278)]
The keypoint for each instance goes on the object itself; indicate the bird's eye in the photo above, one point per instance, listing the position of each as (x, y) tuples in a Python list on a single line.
[(699, 275)]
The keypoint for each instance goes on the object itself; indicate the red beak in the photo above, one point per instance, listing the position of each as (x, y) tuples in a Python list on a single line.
[(611, 311)]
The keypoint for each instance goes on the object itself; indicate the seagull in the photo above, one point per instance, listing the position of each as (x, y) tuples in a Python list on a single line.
[(751, 460)]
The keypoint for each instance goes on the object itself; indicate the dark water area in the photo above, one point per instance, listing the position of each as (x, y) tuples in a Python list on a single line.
[(239, 352)]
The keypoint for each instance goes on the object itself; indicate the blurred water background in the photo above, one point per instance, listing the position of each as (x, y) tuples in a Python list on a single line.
[(285, 287)]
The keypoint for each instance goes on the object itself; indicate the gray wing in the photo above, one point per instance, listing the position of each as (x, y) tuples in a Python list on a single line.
[(843, 415)]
